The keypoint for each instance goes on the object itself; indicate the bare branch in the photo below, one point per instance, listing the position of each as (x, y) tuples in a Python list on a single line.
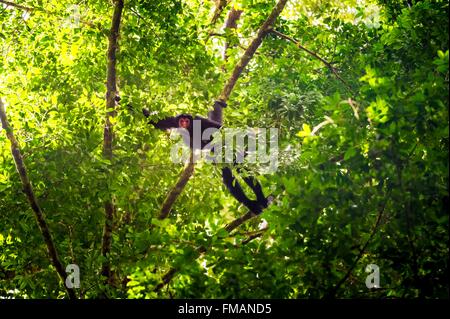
[(231, 23), (28, 190), (251, 237)]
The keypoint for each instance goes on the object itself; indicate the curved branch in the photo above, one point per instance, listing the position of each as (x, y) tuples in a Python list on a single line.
[(28, 190)]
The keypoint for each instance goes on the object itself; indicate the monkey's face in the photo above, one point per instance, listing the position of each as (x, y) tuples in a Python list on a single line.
[(184, 122)]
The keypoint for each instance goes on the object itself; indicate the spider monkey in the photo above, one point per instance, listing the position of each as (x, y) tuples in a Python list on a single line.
[(186, 122)]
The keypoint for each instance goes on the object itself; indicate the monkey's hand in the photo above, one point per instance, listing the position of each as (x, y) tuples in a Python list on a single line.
[(146, 112), (164, 124), (220, 103)]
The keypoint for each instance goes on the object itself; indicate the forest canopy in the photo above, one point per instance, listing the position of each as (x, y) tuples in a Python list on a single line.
[(93, 205)]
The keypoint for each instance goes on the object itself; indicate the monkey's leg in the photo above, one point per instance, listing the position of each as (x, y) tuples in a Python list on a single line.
[(237, 191)]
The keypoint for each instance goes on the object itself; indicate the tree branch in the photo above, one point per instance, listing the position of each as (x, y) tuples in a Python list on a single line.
[(239, 221), (166, 279), (111, 93), (233, 16), (177, 189), (231, 23), (333, 291), (28, 190), (251, 237), (216, 115), (248, 54), (315, 55), (229, 228), (15, 5), (220, 6), (31, 9), (225, 94)]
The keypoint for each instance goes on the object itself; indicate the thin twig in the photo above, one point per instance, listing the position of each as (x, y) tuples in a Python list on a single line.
[(315, 55), (362, 249)]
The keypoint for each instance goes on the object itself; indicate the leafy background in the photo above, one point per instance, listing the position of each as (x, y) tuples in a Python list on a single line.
[(383, 155)]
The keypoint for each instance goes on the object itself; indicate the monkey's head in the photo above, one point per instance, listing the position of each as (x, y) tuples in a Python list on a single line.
[(184, 121)]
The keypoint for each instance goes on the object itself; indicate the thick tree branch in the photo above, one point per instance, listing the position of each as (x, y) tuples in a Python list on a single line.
[(28, 190), (225, 94), (315, 55), (108, 136), (177, 189)]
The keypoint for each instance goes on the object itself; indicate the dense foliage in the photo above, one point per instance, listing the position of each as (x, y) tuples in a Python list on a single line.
[(369, 186)]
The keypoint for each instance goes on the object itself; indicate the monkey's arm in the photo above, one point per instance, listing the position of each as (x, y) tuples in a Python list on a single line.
[(207, 123), (164, 124)]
